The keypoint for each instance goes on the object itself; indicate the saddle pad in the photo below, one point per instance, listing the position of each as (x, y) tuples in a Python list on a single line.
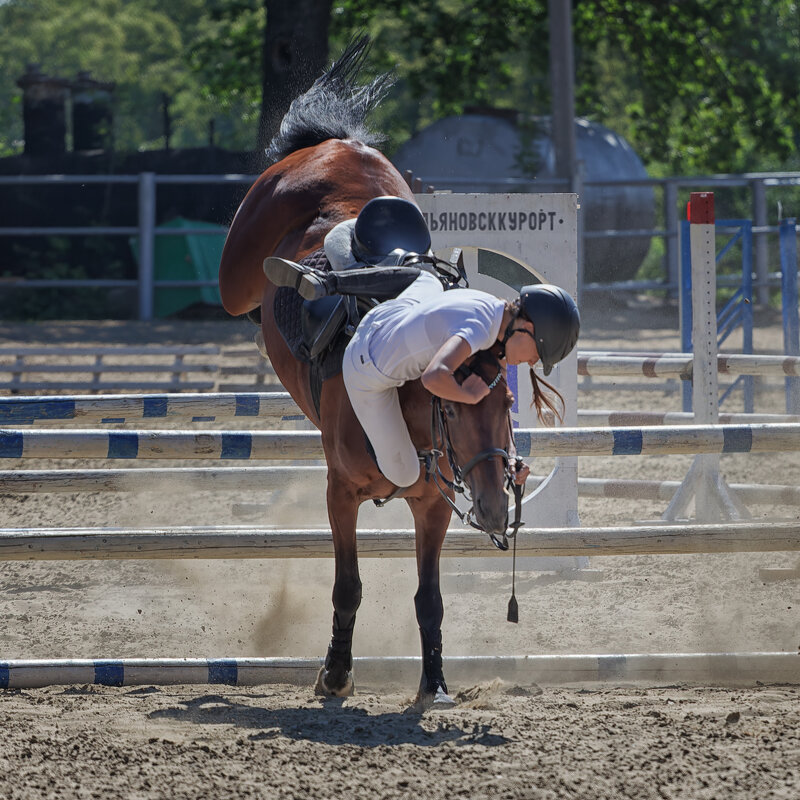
[(286, 309), (339, 245)]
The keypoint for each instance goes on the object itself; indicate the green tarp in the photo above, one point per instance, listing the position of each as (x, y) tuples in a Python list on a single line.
[(193, 256)]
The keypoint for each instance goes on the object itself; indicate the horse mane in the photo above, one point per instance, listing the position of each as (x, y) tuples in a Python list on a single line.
[(335, 107)]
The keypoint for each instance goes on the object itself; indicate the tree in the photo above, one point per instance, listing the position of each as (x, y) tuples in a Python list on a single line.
[(263, 53), (294, 55), (710, 85), (695, 86), (701, 85), (142, 45), (449, 56)]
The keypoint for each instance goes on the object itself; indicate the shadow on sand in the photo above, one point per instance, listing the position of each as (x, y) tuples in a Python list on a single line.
[(333, 722)]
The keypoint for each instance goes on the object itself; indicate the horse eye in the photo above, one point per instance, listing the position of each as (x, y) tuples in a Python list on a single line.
[(450, 411)]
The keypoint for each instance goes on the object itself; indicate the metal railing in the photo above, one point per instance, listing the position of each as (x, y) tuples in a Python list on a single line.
[(146, 230)]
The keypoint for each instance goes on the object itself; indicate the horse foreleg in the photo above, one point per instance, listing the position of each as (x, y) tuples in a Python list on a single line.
[(336, 677), (431, 517)]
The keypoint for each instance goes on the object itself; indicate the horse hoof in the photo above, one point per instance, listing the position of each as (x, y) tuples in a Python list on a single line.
[(443, 700), (322, 688), (438, 701)]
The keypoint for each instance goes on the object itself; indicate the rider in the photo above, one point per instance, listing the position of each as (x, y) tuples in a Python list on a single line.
[(428, 333)]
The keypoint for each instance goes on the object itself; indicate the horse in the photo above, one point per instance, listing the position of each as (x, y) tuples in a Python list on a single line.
[(326, 167)]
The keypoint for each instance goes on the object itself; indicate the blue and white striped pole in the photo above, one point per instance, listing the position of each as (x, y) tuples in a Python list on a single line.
[(30, 673), (716, 669), (303, 445), (111, 409)]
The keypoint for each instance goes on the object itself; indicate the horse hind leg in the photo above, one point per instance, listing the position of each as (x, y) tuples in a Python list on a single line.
[(335, 678)]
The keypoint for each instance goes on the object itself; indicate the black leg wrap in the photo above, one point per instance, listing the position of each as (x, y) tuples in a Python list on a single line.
[(382, 283), (432, 663), (340, 648)]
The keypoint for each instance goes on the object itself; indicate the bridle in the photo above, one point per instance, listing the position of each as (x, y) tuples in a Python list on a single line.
[(441, 445)]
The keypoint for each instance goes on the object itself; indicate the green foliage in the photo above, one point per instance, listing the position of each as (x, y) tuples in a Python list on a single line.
[(696, 86), (146, 47), (226, 58), (448, 54), (62, 258), (707, 85)]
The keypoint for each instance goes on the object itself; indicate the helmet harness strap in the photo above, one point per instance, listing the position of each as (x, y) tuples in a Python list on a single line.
[(510, 331)]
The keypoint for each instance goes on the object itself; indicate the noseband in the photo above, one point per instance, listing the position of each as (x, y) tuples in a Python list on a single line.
[(440, 438)]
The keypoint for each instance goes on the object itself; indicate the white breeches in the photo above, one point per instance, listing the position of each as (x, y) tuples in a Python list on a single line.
[(373, 394), (377, 406)]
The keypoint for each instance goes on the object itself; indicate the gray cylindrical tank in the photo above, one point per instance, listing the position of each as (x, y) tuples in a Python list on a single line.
[(474, 152)]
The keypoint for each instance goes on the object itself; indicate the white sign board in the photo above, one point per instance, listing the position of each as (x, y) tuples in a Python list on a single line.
[(540, 230), (538, 235)]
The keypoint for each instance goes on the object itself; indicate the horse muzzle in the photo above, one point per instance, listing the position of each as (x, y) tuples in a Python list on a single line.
[(491, 516), (487, 480)]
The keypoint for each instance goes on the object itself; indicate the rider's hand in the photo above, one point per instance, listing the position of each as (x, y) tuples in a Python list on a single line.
[(521, 473), (474, 388)]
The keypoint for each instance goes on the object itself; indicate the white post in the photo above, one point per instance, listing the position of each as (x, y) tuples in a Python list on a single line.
[(705, 387), (712, 498)]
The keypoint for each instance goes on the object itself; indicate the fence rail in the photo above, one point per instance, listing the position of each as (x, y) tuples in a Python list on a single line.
[(145, 229), (151, 368)]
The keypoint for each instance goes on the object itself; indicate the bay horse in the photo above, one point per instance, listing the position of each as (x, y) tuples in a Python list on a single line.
[(325, 170)]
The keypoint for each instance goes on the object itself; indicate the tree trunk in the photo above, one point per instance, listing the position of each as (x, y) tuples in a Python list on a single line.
[(294, 55)]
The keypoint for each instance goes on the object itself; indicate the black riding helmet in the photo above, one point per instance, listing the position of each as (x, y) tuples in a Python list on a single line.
[(555, 318), (389, 223)]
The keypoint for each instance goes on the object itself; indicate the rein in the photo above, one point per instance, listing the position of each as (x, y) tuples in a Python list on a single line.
[(440, 438)]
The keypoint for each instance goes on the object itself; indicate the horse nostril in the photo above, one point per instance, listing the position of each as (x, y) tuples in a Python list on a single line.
[(494, 518)]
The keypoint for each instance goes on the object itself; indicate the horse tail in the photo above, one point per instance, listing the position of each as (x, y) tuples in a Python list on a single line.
[(335, 107)]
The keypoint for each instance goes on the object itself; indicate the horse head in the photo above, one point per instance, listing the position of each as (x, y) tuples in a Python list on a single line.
[(477, 440)]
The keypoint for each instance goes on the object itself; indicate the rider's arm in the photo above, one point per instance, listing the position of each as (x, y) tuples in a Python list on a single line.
[(438, 377)]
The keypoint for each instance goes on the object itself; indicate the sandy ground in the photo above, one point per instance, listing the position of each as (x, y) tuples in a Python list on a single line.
[(502, 740)]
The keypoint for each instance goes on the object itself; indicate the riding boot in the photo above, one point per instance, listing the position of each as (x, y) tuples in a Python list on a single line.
[(381, 283)]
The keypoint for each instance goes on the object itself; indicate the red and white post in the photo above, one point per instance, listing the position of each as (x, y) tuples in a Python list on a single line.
[(712, 497), (705, 386)]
